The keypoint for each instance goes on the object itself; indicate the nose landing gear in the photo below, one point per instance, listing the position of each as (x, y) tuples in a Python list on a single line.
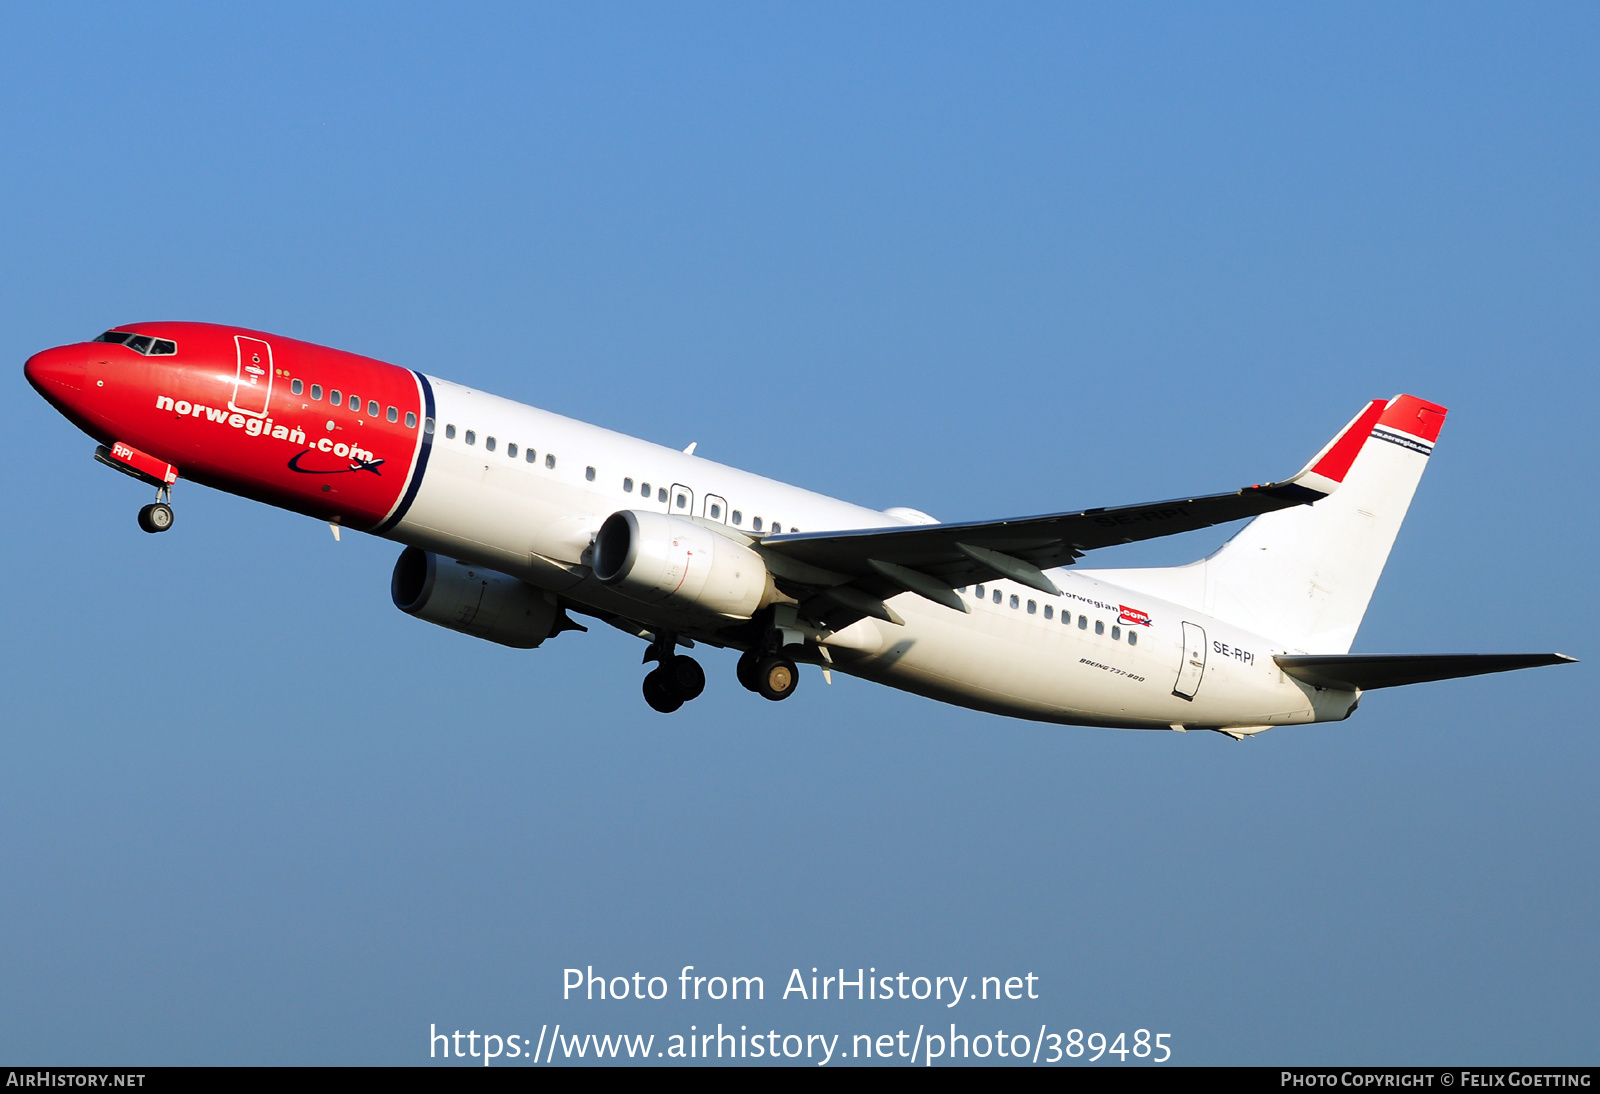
[(157, 516), (675, 680)]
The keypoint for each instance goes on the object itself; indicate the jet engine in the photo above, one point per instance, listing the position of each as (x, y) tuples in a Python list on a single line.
[(658, 558), (472, 600)]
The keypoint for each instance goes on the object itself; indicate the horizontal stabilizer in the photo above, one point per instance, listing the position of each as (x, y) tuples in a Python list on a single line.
[(1347, 672)]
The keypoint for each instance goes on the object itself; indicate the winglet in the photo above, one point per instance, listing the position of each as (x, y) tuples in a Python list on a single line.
[(1327, 469), (1404, 420)]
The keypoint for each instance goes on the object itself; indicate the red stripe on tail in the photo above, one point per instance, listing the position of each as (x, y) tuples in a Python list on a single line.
[(1344, 451)]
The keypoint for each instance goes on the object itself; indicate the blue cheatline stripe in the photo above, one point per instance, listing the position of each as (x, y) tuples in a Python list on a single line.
[(422, 459)]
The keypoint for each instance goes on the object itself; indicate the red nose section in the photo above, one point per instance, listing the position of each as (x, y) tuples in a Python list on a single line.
[(57, 374)]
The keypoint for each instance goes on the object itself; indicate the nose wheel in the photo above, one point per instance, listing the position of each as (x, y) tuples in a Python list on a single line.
[(157, 516)]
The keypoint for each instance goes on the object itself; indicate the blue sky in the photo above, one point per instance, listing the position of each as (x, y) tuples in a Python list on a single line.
[(981, 261)]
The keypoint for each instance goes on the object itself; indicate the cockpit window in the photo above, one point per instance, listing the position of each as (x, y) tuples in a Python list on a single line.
[(140, 343)]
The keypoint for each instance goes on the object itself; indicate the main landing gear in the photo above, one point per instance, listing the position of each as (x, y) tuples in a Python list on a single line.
[(770, 675), (157, 516), (675, 680)]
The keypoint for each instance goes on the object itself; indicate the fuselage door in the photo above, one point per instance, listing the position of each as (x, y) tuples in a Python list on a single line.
[(680, 500), (252, 382), (715, 509), (1194, 661)]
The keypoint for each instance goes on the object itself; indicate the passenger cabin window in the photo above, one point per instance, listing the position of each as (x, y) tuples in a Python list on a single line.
[(1133, 637), (997, 596), (427, 425), (716, 511), (1049, 612), (978, 591), (355, 403), (1116, 634), (372, 408), (755, 522), (296, 387), (738, 517), (511, 450), (1033, 606), (532, 456), (335, 398), (449, 432), (661, 493), (488, 442), (472, 436), (588, 473), (316, 391), (1099, 626), (1015, 600), (393, 414), (549, 461), (644, 490), (411, 421), (627, 486), (1083, 622), (777, 529), (682, 501)]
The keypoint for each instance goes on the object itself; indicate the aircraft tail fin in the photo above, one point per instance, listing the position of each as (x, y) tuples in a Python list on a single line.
[(1305, 575)]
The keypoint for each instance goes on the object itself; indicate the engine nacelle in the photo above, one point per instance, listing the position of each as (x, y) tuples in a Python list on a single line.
[(472, 600), (654, 557)]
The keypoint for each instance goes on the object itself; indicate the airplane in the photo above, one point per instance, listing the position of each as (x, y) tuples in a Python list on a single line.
[(513, 518)]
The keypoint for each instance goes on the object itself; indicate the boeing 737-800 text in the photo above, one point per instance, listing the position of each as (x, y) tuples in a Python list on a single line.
[(512, 517)]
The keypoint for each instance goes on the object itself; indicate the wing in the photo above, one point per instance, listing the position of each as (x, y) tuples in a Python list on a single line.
[(841, 576)]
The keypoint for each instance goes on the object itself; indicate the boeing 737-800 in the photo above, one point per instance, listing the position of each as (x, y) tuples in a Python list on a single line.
[(513, 517)]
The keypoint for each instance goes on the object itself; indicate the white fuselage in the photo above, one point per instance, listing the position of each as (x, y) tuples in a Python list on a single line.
[(1013, 654)]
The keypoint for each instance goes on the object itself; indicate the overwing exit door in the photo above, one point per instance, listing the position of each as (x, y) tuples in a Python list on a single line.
[(680, 501), (252, 381), (1194, 662)]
